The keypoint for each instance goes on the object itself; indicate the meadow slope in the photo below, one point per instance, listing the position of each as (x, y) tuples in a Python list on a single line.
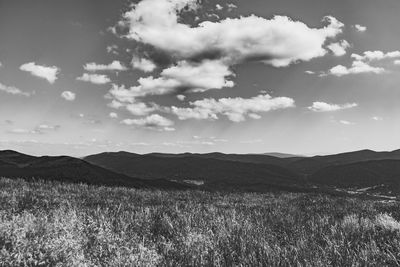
[(50, 223)]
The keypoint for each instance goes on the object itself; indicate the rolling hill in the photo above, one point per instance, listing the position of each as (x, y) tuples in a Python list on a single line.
[(352, 169), (310, 165), (63, 168), (250, 172), (212, 169), (361, 174)]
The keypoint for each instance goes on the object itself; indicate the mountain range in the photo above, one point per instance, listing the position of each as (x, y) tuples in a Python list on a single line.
[(68, 169), (358, 170)]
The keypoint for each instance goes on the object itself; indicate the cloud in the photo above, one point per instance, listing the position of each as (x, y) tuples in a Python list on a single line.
[(231, 6), (376, 55), (94, 78), (346, 122), (143, 64), (339, 48), (218, 7), (135, 108), (40, 129), (236, 109), (377, 118), (69, 96), (112, 49), (113, 66), (115, 104), (254, 116), (183, 77), (44, 72), (48, 127), (362, 63), (360, 28), (279, 41), (200, 58), (357, 67), (326, 107), (207, 140), (141, 109), (153, 121), (113, 115), (181, 97), (199, 77), (13, 90), (20, 131), (148, 86), (43, 128), (1, 64), (397, 62)]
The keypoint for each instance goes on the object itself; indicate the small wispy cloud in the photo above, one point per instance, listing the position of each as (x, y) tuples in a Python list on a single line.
[(13, 90), (363, 63), (153, 121), (377, 118), (20, 131), (94, 78), (327, 107), (181, 97), (68, 95), (113, 115), (44, 128), (112, 49), (360, 28), (344, 122), (357, 67), (113, 66), (143, 64), (376, 55), (48, 73)]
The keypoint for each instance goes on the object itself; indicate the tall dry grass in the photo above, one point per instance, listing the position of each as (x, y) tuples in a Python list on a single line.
[(55, 224)]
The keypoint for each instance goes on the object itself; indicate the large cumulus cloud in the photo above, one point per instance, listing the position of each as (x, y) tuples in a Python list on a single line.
[(195, 57), (278, 41)]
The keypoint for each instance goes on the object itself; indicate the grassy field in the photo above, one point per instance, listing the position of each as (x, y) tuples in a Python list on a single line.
[(44, 224)]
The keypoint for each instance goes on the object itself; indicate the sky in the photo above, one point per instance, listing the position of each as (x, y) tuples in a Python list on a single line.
[(79, 77)]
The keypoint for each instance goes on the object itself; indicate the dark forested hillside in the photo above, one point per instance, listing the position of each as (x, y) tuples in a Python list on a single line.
[(195, 167), (63, 168), (249, 172)]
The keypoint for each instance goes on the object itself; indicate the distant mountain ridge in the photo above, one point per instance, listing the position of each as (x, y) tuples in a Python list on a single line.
[(212, 171), (63, 168), (360, 174), (262, 168), (213, 168), (312, 164)]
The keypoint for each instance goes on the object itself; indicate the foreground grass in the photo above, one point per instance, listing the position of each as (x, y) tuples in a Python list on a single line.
[(44, 224)]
